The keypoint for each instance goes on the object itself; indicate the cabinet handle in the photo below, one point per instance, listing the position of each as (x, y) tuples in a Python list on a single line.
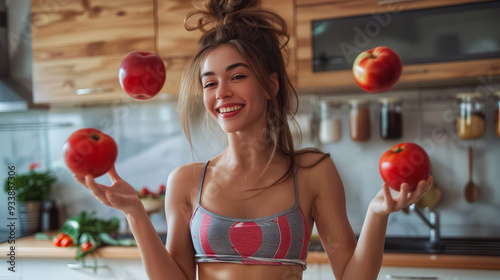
[(389, 2), (403, 277), (81, 91)]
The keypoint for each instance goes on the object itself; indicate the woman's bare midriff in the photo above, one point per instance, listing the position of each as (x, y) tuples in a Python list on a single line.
[(226, 271)]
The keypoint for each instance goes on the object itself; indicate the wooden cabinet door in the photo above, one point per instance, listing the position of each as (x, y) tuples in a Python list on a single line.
[(78, 47), (413, 75), (177, 45)]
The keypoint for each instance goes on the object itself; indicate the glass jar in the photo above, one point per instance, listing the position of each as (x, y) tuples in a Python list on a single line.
[(470, 119), (330, 129), (359, 119), (497, 113), (391, 118)]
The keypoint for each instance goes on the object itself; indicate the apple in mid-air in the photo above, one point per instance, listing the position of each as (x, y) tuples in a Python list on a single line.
[(377, 70), (142, 75)]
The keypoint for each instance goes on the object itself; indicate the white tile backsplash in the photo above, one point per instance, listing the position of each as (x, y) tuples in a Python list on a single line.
[(151, 144)]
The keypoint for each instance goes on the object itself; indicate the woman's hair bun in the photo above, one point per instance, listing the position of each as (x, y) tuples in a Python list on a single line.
[(217, 12), (223, 20)]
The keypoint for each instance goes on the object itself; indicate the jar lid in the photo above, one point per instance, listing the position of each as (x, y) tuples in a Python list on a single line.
[(358, 101), (465, 95), (386, 100)]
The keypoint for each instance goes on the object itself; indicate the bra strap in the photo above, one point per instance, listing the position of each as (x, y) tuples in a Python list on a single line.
[(203, 171)]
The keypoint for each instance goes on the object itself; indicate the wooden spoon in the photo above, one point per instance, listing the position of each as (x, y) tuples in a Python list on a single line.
[(471, 191)]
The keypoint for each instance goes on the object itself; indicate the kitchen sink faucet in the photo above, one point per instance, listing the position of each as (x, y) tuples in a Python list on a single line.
[(432, 222)]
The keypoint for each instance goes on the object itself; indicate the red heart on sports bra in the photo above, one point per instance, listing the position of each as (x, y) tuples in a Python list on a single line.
[(246, 238)]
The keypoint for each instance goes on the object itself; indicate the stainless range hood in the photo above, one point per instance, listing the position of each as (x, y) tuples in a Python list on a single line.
[(15, 56), (10, 99)]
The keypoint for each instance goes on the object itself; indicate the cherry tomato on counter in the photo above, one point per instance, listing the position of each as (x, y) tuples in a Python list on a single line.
[(86, 246), (66, 241), (57, 240)]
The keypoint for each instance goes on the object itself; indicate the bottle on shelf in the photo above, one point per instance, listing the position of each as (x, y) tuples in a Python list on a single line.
[(331, 124), (359, 119), (391, 118), (470, 119)]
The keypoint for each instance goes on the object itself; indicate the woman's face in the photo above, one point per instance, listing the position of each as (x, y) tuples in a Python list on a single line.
[(231, 92)]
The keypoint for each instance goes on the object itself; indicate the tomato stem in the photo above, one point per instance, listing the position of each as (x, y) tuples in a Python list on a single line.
[(399, 149), (95, 137)]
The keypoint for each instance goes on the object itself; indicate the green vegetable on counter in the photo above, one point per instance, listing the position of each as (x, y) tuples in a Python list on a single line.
[(87, 233)]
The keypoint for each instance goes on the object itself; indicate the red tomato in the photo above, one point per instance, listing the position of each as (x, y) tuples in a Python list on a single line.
[(86, 246), (57, 240), (405, 162), (89, 151), (142, 74), (377, 70), (66, 241)]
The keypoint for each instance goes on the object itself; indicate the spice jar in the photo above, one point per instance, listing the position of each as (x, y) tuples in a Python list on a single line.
[(470, 119), (359, 119), (330, 129), (497, 113), (391, 119)]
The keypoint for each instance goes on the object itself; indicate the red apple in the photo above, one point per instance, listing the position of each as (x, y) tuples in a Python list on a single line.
[(142, 75), (377, 70), (405, 162), (90, 151)]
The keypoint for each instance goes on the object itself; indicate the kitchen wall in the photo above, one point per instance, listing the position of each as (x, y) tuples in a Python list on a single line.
[(151, 144)]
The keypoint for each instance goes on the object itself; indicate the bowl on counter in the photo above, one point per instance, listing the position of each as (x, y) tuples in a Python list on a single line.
[(152, 205)]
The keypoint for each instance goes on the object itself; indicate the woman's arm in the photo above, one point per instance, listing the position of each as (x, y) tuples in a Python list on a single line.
[(370, 248), (348, 259), (158, 262)]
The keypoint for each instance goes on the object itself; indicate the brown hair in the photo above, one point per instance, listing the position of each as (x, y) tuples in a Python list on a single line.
[(261, 37)]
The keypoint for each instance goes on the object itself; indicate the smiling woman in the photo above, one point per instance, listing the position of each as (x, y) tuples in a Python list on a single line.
[(232, 94), (248, 212)]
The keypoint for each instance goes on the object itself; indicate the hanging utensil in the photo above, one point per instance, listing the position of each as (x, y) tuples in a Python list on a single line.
[(471, 191)]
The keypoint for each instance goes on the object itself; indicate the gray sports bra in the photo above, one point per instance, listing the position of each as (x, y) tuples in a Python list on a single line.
[(279, 239)]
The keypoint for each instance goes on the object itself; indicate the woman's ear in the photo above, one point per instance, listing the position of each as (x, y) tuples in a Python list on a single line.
[(275, 85)]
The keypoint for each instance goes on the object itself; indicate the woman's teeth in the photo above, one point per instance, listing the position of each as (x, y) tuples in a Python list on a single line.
[(230, 109)]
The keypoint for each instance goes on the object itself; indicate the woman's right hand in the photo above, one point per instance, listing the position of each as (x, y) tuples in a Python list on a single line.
[(120, 195)]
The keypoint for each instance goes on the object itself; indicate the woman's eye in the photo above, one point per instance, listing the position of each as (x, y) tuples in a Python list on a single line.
[(208, 84), (237, 77)]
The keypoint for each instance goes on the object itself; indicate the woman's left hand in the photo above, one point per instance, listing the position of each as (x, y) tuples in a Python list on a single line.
[(385, 203)]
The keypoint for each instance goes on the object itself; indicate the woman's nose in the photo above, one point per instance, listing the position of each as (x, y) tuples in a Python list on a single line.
[(223, 91)]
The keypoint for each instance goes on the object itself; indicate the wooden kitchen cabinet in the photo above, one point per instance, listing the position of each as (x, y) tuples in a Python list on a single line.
[(78, 46), (440, 73), (177, 45)]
